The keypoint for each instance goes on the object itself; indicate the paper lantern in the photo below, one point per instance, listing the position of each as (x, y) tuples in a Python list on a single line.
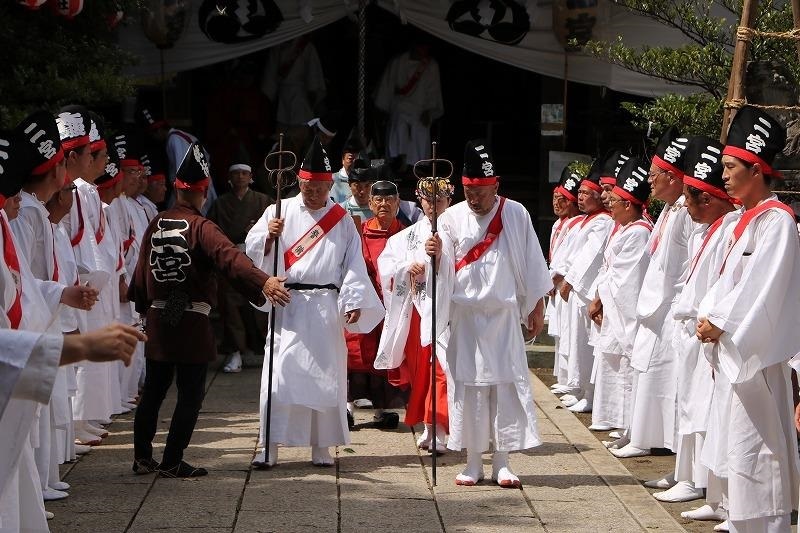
[(68, 9), (163, 21), (574, 20)]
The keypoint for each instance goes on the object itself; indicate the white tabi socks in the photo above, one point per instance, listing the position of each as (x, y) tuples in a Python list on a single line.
[(473, 473), (424, 440), (683, 491), (321, 456), (666, 482), (260, 460), (706, 512), (628, 451), (501, 472), (581, 406)]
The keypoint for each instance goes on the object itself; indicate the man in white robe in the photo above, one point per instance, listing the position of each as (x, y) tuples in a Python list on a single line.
[(404, 267), (565, 207), (85, 225), (710, 207), (320, 259), (410, 93), (293, 80), (751, 316), (653, 418), (575, 284), (500, 279), (625, 260)]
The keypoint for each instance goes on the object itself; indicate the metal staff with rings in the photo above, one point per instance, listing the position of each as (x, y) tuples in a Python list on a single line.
[(281, 176), (420, 171)]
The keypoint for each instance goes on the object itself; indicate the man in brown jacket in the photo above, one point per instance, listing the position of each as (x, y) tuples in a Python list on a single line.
[(174, 286)]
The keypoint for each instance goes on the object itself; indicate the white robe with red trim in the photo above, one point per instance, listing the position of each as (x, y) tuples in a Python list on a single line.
[(625, 261), (756, 302), (310, 355), (491, 297), (653, 419), (581, 267)]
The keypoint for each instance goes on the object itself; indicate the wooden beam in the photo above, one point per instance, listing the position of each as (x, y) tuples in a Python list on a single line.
[(736, 84)]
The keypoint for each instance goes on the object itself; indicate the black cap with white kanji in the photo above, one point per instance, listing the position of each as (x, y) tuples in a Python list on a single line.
[(112, 174), (632, 183), (38, 144), (126, 151), (592, 179), (10, 174), (755, 137), (568, 184), (150, 121), (479, 168), (670, 152), (97, 131), (74, 126), (316, 165), (611, 167), (193, 173), (704, 167)]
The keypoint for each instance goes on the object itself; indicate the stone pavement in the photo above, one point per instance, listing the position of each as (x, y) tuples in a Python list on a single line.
[(380, 482)]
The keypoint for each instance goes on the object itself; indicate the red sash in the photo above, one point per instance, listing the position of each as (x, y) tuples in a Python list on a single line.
[(101, 230), (711, 230), (313, 236), (554, 238), (12, 262), (749, 216), (76, 240), (492, 232), (55, 259), (408, 88), (588, 218), (657, 239)]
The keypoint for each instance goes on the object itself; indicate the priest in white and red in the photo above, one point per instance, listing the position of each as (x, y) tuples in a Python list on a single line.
[(576, 286), (653, 418), (625, 260), (751, 316), (320, 256), (711, 209), (500, 281), (565, 207)]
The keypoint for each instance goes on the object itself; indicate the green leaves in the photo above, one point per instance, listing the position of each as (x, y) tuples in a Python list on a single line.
[(53, 61), (697, 114)]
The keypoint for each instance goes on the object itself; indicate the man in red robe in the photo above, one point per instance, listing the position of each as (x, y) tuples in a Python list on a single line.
[(364, 381)]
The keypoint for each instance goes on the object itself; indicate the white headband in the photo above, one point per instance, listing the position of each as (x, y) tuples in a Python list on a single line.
[(240, 166)]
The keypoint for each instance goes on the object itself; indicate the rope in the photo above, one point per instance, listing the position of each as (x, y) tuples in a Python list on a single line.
[(743, 33), (740, 103), (362, 74)]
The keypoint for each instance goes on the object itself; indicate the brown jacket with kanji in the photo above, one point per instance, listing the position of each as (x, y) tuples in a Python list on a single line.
[(181, 254)]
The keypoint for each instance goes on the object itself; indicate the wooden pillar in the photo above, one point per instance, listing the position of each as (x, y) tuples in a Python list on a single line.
[(736, 84)]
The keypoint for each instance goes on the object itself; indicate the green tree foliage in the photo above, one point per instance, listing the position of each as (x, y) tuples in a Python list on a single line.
[(52, 61), (704, 62)]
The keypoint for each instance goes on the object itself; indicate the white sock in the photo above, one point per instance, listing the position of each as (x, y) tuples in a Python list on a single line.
[(474, 470)]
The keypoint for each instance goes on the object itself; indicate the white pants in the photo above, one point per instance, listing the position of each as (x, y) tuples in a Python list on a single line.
[(501, 415), (766, 524), (297, 425), (21, 503)]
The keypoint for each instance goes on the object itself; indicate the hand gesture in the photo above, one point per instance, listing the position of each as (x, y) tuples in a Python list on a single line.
[(275, 292), (708, 332), (351, 317), (79, 296)]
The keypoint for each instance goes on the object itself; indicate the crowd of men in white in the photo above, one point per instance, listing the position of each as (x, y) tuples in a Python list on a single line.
[(675, 334)]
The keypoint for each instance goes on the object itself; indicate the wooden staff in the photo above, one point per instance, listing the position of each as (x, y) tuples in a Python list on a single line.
[(278, 175), (432, 292), (736, 84)]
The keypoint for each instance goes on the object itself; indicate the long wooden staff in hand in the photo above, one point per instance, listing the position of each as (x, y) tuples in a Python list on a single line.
[(280, 176), (420, 169)]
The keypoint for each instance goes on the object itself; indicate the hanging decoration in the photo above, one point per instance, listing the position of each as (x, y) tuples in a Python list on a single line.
[(502, 21), (163, 21), (237, 21), (573, 22)]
